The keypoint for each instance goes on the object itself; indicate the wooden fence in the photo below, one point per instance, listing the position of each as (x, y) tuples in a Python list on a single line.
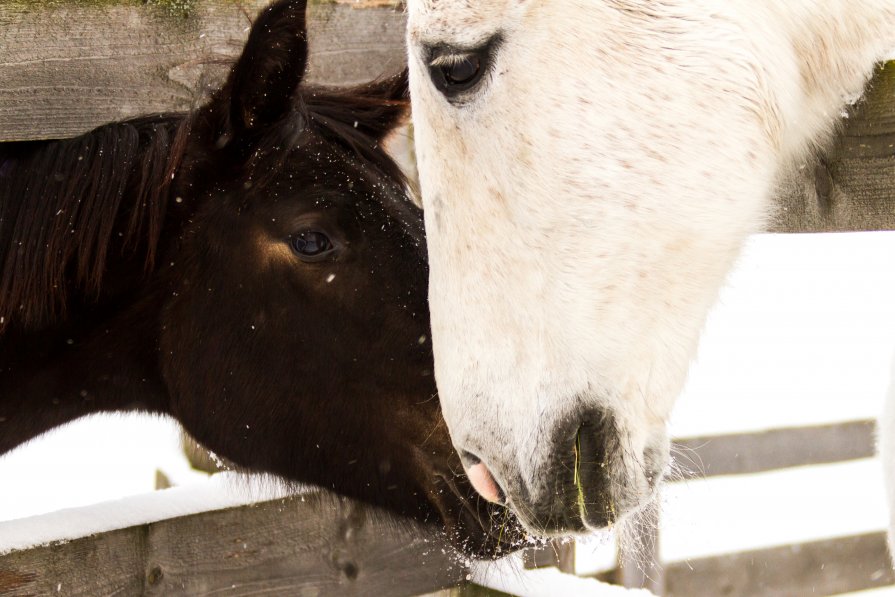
[(67, 66), (850, 186), (318, 544), (829, 567), (321, 544)]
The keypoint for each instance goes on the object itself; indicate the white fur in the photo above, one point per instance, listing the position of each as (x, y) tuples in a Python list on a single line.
[(585, 204)]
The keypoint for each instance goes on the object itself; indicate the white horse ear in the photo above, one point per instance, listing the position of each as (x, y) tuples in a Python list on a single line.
[(266, 78)]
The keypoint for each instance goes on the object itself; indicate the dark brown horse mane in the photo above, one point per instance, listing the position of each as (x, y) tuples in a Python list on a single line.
[(61, 202), (64, 203), (353, 119), (356, 120)]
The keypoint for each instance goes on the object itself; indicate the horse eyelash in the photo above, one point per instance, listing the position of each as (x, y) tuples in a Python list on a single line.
[(447, 60)]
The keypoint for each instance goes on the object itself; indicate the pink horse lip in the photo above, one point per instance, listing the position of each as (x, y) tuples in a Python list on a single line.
[(482, 481)]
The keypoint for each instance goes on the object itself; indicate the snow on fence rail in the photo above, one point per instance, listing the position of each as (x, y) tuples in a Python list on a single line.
[(310, 544), (323, 544), (66, 67)]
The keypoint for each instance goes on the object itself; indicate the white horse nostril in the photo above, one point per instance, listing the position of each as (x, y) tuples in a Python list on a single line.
[(484, 483)]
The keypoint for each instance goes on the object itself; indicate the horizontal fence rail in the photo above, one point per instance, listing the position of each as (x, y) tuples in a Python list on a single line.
[(67, 66), (762, 451), (828, 567), (316, 544)]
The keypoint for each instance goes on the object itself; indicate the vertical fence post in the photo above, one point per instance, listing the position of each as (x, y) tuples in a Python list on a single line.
[(639, 566)]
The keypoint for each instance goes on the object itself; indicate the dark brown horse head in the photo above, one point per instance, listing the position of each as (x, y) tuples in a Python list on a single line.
[(296, 337)]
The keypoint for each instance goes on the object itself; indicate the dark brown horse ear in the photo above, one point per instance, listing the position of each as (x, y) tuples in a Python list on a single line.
[(381, 105), (265, 80)]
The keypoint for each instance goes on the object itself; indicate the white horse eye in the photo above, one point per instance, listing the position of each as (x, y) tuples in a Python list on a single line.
[(461, 74), (456, 72)]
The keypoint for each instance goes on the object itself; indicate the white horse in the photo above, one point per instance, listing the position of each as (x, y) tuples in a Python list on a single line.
[(590, 170)]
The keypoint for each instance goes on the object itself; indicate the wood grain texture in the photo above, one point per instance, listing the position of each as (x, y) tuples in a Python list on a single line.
[(761, 451), (829, 567), (851, 187), (826, 567), (324, 545), (67, 68)]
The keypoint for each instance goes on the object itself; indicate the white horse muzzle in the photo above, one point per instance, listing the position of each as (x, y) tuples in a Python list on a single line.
[(585, 478)]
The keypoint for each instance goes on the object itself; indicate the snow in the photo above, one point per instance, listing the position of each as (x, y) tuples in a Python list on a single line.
[(507, 575), (95, 459), (755, 511), (803, 334), (224, 490)]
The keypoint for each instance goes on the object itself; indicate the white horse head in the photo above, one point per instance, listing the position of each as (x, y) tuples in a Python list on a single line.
[(590, 170)]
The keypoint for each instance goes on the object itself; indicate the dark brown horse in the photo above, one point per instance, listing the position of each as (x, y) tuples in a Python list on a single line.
[(253, 269)]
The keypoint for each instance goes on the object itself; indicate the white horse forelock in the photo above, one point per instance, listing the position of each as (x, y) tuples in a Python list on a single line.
[(586, 200)]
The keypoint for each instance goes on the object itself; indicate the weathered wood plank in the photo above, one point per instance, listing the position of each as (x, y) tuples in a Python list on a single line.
[(744, 453), (110, 565), (317, 545), (852, 186), (68, 67), (829, 567)]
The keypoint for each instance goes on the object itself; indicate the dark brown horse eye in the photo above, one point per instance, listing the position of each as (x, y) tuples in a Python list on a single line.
[(311, 244)]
